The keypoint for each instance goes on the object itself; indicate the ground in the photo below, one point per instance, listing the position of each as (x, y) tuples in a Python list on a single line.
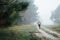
[(45, 31)]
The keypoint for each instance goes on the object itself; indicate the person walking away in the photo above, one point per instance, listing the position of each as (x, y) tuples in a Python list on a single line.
[(39, 24)]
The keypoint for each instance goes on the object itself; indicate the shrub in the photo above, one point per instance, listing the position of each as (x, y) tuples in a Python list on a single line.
[(16, 35)]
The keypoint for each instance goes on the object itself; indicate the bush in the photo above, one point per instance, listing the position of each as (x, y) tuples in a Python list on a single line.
[(16, 35)]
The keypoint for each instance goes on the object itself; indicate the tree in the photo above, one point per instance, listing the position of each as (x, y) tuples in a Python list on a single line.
[(9, 11), (30, 15), (56, 15)]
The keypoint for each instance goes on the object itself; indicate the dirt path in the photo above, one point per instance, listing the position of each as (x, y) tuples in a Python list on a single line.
[(46, 35)]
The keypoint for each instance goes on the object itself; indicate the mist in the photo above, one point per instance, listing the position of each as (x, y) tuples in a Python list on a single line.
[(45, 9)]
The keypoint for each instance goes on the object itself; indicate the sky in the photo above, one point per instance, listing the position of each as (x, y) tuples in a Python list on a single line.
[(45, 8)]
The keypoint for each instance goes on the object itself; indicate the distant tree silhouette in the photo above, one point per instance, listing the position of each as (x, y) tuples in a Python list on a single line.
[(56, 15)]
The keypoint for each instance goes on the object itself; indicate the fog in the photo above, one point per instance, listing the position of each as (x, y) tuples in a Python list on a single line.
[(45, 9)]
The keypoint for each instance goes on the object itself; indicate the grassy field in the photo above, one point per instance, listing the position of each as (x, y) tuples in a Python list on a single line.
[(28, 28), (57, 29), (23, 28), (23, 32), (54, 28), (18, 33)]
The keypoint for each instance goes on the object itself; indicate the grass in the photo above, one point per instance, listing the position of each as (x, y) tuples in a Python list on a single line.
[(29, 28), (21, 32), (55, 28), (18, 33), (23, 28)]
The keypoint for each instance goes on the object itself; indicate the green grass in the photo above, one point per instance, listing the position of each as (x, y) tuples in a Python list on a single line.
[(55, 28), (23, 28), (18, 33)]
